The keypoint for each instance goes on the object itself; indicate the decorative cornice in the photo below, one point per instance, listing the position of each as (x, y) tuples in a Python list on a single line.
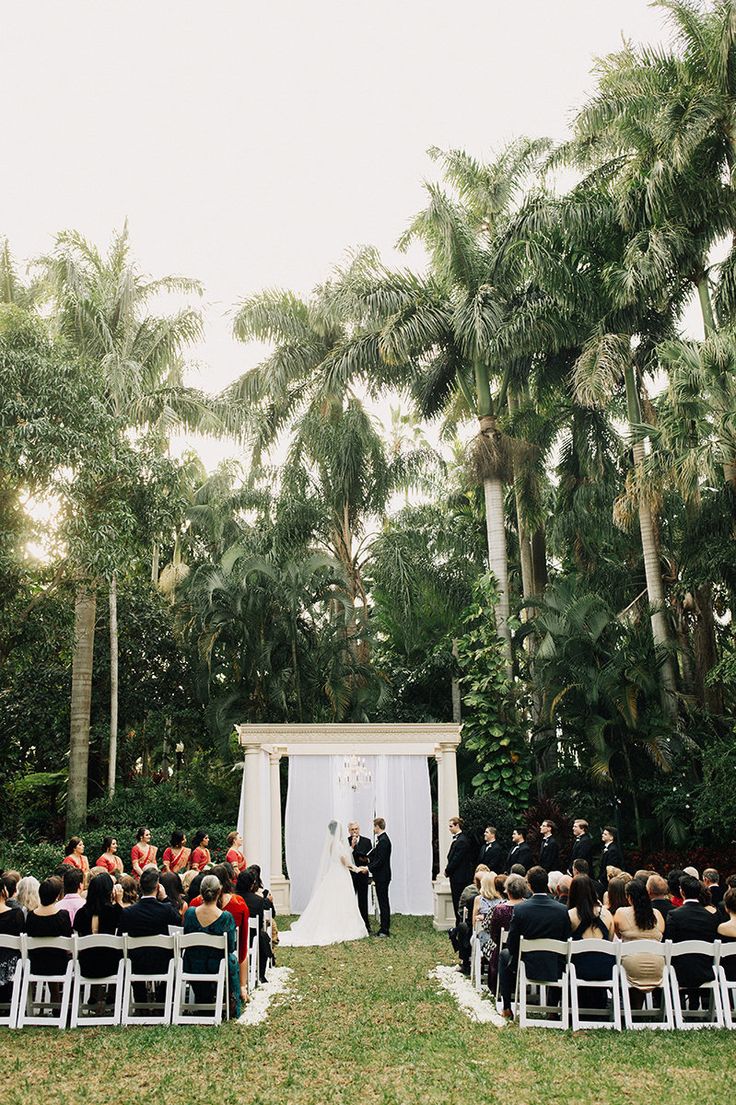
[(353, 735)]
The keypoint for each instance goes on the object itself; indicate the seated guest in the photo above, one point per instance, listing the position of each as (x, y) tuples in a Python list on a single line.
[(49, 920), (27, 894), (101, 914), (553, 877), (540, 917), (176, 856), (245, 888), (233, 904), (711, 882), (150, 916), (615, 896), (516, 891), (110, 861), (74, 854), (12, 923), (642, 876), (483, 906), (589, 920), (187, 879), (673, 882), (563, 889), (518, 869), (142, 854), (658, 892), (460, 934), (639, 921), (580, 867), (691, 921), (727, 933), (208, 918), (200, 857), (73, 898), (692, 872), (174, 891), (130, 891), (194, 885), (11, 880), (235, 852)]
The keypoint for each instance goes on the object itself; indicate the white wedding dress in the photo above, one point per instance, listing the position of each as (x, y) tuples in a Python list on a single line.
[(331, 915)]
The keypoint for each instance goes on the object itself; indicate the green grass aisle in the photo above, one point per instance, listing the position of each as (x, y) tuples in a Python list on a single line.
[(365, 1026)]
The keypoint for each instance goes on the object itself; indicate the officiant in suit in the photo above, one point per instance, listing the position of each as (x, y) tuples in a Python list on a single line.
[(379, 863), (360, 846), (460, 863)]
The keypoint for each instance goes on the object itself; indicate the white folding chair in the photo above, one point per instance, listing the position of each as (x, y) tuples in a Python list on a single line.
[(610, 951), (9, 1010), (83, 1008), (187, 1009), (131, 1007), (524, 980), (501, 946), (650, 1016), (476, 962), (37, 1004), (254, 955), (728, 989), (712, 1017)]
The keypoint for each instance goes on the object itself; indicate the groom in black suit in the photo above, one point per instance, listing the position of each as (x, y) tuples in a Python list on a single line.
[(379, 863), (360, 846)]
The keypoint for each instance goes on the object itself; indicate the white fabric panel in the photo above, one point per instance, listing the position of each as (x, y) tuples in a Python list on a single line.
[(403, 799), (308, 810), (264, 851)]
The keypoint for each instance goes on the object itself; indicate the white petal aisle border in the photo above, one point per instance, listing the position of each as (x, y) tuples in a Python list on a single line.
[(469, 1001), (279, 983)]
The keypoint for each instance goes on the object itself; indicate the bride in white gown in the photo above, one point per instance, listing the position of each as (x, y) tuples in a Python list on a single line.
[(332, 914)]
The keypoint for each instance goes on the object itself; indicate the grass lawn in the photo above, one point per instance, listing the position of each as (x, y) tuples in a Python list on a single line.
[(367, 1027)]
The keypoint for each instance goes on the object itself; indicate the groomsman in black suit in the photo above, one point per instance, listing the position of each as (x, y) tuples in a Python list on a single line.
[(549, 853), (379, 863), (460, 867), (360, 847), (583, 845), (611, 855), (492, 853), (520, 851)]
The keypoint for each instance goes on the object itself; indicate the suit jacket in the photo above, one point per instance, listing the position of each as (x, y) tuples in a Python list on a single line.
[(539, 918), (549, 855), (583, 849), (149, 917), (379, 860), (716, 894), (257, 905), (494, 856), (691, 921), (520, 853), (610, 857), (664, 905), (360, 859), (460, 866)]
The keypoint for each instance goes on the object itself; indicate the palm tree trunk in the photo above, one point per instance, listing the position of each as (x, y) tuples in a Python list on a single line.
[(497, 559), (85, 606), (710, 327), (113, 751), (706, 651), (652, 567), (457, 707), (155, 557)]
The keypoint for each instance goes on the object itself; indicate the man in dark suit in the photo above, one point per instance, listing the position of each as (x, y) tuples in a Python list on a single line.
[(691, 921), (583, 844), (492, 853), (360, 846), (150, 916), (538, 918), (611, 855), (549, 853), (520, 851), (379, 863), (712, 883), (658, 892), (460, 868), (257, 906)]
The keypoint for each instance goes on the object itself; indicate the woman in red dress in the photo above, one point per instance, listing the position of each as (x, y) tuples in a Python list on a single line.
[(200, 857), (74, 854), (176, 856), (235, 852), (233, 903), (110, 859), (142, 854)]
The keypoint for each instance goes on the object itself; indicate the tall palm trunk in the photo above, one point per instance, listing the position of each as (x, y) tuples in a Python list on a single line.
[(710, 327), (85, 606), (113, 752), (652, 567)]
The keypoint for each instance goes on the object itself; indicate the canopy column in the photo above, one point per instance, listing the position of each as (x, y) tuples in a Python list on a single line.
[(252, 822), (447, 807)]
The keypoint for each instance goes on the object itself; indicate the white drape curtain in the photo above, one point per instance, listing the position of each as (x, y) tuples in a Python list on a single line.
[(399, 792)]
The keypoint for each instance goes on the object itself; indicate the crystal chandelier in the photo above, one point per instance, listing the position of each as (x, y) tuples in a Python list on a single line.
[(354, 773)]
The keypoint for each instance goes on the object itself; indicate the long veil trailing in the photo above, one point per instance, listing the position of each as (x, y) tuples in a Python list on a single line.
[(332, 915)]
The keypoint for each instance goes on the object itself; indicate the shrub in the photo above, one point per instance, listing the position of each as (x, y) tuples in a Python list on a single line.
[(480, 810)]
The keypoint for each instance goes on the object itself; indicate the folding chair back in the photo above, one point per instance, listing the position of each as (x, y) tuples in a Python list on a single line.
[(727, 980), (710, 990), (653, 1017), (90, 995), (12, 946), (39, 992), (162, 983), (254, 954), (187, 1009), (608, 960), (523, 980)]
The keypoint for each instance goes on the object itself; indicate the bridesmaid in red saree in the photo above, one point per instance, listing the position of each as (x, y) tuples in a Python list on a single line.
[(110, 859), (74, 854), (142, 853), (200, 857), (176, 856), (235, 852)]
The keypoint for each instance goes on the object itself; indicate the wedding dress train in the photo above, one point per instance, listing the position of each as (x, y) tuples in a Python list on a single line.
[(331, 915)]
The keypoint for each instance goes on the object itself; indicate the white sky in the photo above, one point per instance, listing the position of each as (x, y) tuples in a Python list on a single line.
[(250, 145)]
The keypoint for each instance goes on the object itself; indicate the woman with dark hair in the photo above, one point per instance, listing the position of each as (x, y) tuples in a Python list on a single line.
[(176, 856), (12, 923), (143, 853), (615, 897), (234, 904), (49, 920), (516, 888), (100, 915), (194, 885), (129, 887), (589, 920), (727, 933), (200, 857), (174, 891), (210, 919), (639, 921), (74, 854), (110, 859), (673, 885)]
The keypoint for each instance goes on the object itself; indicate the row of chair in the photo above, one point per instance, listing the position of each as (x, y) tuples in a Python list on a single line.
[(47, 1000), (717, 994)]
